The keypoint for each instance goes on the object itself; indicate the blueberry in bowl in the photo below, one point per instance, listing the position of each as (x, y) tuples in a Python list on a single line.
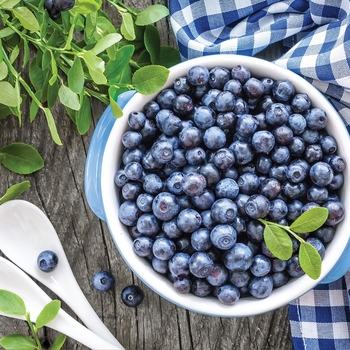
[(219, 173)]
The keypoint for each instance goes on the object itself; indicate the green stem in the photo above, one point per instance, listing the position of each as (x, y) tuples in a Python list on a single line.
[(33, 330)]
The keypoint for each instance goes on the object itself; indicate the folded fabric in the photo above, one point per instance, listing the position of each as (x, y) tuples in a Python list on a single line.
[(320, 319)]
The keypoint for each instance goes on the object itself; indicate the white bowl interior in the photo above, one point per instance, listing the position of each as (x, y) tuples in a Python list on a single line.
[(210, 305)]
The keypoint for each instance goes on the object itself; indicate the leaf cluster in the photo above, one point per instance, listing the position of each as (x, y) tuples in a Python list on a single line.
[(13, 305), (278, 239), (78, 57)]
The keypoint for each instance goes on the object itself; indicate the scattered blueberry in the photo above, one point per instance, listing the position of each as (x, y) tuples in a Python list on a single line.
[(132, 296), (103, 281), (47, 261)]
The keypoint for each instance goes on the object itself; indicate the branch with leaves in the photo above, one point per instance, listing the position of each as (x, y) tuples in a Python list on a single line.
[(13, 305)]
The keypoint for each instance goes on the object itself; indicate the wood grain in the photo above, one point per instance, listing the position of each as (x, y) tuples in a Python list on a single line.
[(58, 189)]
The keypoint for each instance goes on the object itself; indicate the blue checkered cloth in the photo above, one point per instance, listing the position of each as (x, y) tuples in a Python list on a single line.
[(317, 34)]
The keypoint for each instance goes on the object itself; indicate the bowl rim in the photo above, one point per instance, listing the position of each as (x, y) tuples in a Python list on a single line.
[(248, 306)]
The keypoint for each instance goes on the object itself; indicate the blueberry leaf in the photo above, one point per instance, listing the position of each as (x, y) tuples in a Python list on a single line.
[(76, 76), (152, 43), (15, 191), (95, 65), (3, 70), (11, 303), (68, 97), (58, 342), (17, 342), (86, 6), (8, 94), (310, 260), (310, 220), (151, 14), (105, 42), (150, 79), (21, 158), (127, 27), (48, 313), (83, 117), (278, 242), (27, 18)]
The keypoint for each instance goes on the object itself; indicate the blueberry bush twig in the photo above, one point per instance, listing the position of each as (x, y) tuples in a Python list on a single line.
[(13, 305), (278, 240)]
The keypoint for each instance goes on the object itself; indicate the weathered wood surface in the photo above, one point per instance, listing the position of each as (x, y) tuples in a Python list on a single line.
[(156, 323)]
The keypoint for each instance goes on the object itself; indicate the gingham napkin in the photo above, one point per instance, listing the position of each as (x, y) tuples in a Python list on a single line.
[(318, 34)]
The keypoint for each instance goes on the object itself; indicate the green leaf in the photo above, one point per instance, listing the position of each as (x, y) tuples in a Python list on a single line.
[(48, 313), (76, 77), (310, 220), (3, 70), (26, 54), (52, 94), (127, 27), (17, 342), (27, 18), (151, 15), (106, 42), (52, 126), (34, 107), (8, 4), (8, 94), (95, 65), (14, 54), (58, 342), (152, 43), (11, 303), (4, 111), (278, 242), (83, 117), (169, 56), (37, 75), (68, 97), (14, 191), (310, 260), (85, 7), (5, 32), (90, 25), (21, 158), (116, 67), (150, 79), (117, 111)]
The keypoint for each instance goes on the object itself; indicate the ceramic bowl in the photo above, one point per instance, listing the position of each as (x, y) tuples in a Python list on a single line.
[(104, 160)]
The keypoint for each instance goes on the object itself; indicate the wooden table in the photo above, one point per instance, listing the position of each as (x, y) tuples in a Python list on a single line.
[(58, 189)]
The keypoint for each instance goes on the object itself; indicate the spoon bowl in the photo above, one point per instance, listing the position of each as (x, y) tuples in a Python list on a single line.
[(25, 231), (16, 281)]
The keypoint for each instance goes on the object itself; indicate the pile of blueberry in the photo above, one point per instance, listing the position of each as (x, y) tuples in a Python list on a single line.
[(208, 157), (55, 7)]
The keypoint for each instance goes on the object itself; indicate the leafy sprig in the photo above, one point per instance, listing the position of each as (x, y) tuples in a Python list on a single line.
[(278, 239), (13, 305)]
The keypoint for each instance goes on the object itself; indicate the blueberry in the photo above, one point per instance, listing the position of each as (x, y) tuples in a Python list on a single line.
[(200, 239), (218, 77), (263, 141), (263, 164), (325, 234), (336, 212), (234, 86), (204, 117), (163, 248), (211, 173), (238, 258), (131, 190), (224, 210), (52, 10), (133, 171), (207, 220), (224, 158), (142, 246), (283, 90), (248, 183), (294, 190), (201, 264), (120, 178), (226, 188), (223, 236), (321, 174), (162, 151), (337, 182), (198, 75), (293, 267), (103, 281), (190, 137), (182, 285), (279, 279), (277, 114), (183, 105), (228, 294), (201, 287), (182, 86), (261, 287), (317, 194), (131, 139), (294, 209), (225, 101), (240, 202), (267, 84), (218, 276), (240, 107), (149, 163), (270, 188), (152, 184), (150, 109), (283, 135), (170, 229), (148, 224), (316, 118), (195, 156), (261, 265), (280, 154), (328, 144), (253, 88), (318, 245), (132, 155), (161, 266), (257, 206), (310, 136), (132, 296), (241, 73), (278, 209), (193, 184), (209, 98), (189, 220), (149, 131), (226, 120), (243, 151), (214, 138), (179, 264), (144, 202), (165, 98), (203, 201), (255, 231), (300, 103), (278, 265), (165, 206), (297, 170), (47, 261), (246, 125), (278, 171), (136, 120), (63, 5), (239, 278), (173, 182), (297, 123), (129, 213)]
